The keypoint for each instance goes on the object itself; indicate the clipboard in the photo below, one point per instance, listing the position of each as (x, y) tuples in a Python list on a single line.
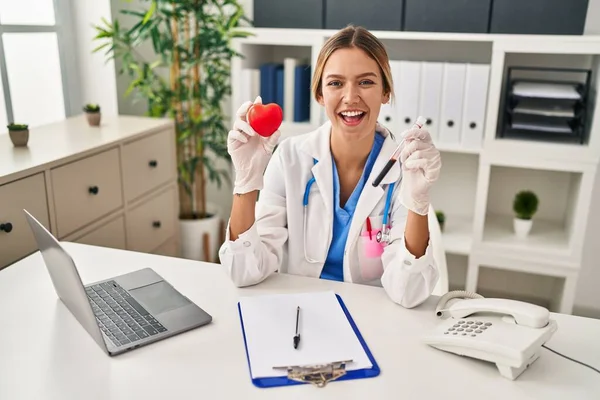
[(318, 375)]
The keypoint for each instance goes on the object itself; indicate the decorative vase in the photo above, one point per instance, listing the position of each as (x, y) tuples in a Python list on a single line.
[(19, 137), (201, 236), (93, 118), (522, 227)]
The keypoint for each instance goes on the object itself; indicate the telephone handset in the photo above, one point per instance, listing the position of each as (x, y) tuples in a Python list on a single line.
[(506, 332)]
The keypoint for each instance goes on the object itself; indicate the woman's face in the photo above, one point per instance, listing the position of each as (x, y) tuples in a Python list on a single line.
[(352, 87)]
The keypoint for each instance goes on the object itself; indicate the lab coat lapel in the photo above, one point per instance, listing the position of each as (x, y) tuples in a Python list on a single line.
[(371, 195), (318, 147)]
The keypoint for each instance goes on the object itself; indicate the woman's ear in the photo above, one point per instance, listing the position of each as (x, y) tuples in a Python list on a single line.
[(320, 100), (386, 98)]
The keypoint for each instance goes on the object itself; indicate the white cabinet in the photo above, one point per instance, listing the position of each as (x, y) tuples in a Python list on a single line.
[(113, 186)]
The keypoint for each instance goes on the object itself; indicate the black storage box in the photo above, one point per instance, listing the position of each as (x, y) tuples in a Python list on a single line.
[(379, 15), (544, 17), (305, 14), (471, 16)]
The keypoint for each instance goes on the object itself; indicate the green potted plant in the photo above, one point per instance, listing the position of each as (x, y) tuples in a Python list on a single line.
[(441, 217), (19, 134), (187, 78), (92, 112), (525, 206)]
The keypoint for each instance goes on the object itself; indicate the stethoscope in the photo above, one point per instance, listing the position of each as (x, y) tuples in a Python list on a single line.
[(383, 236)]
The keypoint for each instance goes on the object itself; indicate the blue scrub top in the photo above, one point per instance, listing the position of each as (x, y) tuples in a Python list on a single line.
[(334, 267)]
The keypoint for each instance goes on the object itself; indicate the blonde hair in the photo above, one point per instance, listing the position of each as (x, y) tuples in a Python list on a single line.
[(353, 37)]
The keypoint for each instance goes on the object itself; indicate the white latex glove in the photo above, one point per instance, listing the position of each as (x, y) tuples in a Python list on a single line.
[(250, 152), (421, 164)]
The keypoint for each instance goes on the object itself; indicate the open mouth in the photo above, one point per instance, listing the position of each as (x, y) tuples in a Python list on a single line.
[(352, 117)]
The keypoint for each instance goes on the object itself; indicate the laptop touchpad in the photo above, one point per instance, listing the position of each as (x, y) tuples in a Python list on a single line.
[(159, 297)]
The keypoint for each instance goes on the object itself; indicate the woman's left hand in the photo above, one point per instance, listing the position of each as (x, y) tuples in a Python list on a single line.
[(421, 165)]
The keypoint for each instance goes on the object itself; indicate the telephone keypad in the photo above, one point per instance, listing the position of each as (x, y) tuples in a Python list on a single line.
[(468, 328)]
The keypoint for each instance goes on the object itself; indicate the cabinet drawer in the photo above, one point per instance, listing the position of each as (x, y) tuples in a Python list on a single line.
[(30, 194), (86, 190), (110, 235), (147, 163), (152, 223)]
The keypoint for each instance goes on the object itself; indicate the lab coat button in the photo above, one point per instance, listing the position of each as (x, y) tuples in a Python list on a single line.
[(406, 262), (246, 244)]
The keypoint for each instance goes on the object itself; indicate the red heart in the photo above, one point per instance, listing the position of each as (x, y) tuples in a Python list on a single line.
[(265, 119)]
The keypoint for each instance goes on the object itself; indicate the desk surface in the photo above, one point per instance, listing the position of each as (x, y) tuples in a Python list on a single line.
[(46, 354)]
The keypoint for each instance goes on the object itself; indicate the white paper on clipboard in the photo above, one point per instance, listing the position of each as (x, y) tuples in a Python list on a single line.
[(326, 335)]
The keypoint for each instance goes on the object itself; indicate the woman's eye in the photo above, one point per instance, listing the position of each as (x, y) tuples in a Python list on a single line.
[(334, 83), (366, 82)]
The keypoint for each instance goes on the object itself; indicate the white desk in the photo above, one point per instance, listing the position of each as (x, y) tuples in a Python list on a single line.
[(46, 354)]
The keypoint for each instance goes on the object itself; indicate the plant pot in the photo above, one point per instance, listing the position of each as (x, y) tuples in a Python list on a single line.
[(196, 234), (19, 138), (93, 118), (522, 227)]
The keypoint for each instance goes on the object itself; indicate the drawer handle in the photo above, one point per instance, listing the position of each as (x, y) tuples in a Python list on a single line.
[(7, 227), (93, 189), (156, 224), (153, 163)]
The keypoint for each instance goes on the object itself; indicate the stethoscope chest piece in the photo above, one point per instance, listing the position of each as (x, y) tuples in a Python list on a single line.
[(382, 237)]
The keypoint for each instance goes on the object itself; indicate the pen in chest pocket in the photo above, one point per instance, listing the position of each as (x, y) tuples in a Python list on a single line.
[(369, 229)]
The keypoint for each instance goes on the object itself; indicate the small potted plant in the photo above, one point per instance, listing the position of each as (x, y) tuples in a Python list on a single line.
[(19, 134), (525, 205), (441, 217), (92, 112)]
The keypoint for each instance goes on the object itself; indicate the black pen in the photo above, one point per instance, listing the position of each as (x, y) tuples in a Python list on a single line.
[(297, 336)]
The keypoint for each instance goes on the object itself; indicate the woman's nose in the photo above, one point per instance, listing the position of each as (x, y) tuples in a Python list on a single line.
[(351, 94)]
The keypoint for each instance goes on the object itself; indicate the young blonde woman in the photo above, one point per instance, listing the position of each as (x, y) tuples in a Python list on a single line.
[(318, 213)]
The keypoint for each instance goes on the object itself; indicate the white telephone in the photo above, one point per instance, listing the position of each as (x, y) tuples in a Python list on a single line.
[(506, 332)]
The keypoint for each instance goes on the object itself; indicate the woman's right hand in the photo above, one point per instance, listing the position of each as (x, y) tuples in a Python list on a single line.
[(250, 152)]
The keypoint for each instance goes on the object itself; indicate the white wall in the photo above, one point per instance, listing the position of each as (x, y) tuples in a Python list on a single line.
[(97, 76)]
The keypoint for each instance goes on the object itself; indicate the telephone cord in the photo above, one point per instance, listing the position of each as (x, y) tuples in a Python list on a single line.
[(569, 358)]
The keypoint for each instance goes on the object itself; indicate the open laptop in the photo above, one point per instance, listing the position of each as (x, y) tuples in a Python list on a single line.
[(123, 312)]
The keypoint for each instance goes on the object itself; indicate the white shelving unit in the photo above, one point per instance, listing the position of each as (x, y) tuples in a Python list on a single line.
[(477, 185)]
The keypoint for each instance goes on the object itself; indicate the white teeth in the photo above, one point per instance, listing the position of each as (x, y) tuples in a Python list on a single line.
[(352, 113)]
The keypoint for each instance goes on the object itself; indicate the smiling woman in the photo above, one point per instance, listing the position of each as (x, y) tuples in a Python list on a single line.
[(319, 213)]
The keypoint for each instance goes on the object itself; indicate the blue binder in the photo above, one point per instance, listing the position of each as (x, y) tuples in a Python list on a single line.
[(285, 381)]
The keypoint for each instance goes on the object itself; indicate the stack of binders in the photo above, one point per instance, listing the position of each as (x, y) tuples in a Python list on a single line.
[(549, 110), (285, 83), (451, 96)]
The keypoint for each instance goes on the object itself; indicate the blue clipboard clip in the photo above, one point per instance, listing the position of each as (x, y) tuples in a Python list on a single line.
[(318, 375)]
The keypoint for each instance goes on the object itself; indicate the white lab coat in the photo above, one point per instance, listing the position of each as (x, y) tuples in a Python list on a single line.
[(275, 242)]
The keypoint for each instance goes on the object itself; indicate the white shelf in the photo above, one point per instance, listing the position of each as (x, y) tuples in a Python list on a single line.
[(450, 148), (458, 235), (477, 186), (547, 237)]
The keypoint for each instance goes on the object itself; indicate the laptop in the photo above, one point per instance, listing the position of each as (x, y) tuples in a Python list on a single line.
[(123, 312)]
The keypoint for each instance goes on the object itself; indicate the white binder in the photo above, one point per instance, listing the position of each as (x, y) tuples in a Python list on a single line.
[(453, 87), (388, 116), (430, 95), (407, 81), (475, 104), (250, 84)]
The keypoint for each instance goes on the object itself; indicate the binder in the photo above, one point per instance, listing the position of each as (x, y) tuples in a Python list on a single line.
[(387, 116), (430, 95), (452, 103), (320, 374), (407, 82), (475, 104)]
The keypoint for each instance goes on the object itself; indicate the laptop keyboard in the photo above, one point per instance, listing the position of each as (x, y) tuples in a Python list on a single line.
[(120, 316)]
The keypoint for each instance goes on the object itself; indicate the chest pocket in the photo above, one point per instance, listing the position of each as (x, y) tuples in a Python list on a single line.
[(369, 250)]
